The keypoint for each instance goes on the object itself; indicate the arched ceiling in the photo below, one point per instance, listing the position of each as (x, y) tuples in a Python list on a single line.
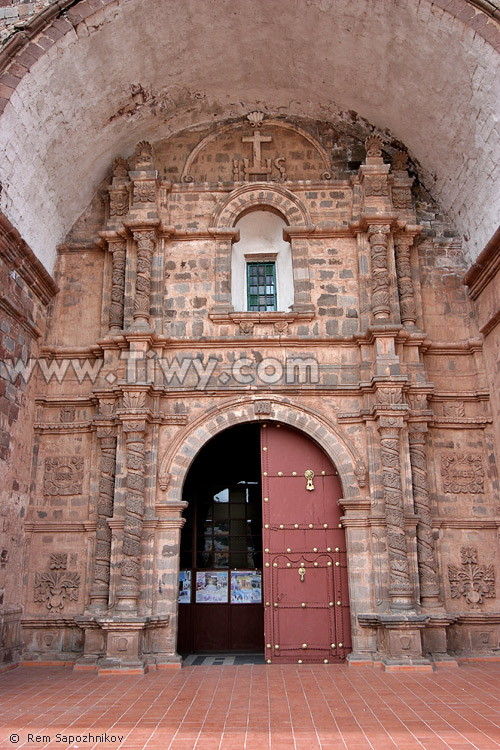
[(427, 76)]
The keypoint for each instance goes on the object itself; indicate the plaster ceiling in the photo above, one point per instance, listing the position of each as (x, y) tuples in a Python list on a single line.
[(407, 66)]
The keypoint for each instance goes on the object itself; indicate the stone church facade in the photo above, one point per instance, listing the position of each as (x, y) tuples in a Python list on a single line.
[(271, 270)]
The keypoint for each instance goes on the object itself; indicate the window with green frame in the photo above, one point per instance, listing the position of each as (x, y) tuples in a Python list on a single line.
[(261, 286)]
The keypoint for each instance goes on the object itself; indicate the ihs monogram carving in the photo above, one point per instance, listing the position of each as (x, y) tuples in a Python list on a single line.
[(474, 582), (462, 472), (262, 407), (58, 584), (63, 476), (259, 169)]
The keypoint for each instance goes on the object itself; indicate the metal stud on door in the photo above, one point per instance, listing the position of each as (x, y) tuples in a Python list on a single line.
[(305, 572)]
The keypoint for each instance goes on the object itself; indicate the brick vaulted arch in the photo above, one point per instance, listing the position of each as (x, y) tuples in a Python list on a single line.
[(82, 82), (342, 452)]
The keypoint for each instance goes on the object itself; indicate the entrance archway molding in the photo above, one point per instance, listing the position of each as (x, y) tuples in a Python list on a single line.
[(338, 447)]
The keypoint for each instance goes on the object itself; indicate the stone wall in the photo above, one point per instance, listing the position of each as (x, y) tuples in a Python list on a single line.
[(26, 293), (379, 360)]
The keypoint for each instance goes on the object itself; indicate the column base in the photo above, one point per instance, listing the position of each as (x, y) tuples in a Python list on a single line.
[(119, 644)]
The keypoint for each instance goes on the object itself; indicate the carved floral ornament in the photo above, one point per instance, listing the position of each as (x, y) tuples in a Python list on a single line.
[(56, 585), (472, 581), (462, 472), (63, 476)]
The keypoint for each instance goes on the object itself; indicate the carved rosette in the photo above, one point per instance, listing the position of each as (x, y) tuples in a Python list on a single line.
[(100, 587), (118, 254), (407, 305), (134, 511), (400, 586), (145, 248), (429, 584), (378, 236)]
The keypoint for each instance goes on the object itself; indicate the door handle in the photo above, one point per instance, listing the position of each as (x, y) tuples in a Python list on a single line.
[(302, 571)]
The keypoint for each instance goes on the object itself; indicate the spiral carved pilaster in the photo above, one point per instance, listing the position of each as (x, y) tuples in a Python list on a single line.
[(118, 251), (400, 586), (408, 308), (378, 236), (100, 585), (145, 249), (429, 584), (134, 511)]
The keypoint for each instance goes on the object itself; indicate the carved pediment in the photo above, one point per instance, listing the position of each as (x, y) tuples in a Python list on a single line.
[(255, 150)]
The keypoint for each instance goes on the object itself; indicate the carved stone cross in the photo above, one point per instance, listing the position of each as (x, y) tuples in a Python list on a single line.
[(257, 168)]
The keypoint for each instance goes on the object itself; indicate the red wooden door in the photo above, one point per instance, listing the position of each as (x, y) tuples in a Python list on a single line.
[(305, 570)]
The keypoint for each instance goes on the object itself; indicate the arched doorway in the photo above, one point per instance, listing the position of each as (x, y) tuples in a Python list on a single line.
[(263, 556)]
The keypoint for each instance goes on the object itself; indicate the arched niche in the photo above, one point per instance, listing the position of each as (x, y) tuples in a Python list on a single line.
[(261, 242)]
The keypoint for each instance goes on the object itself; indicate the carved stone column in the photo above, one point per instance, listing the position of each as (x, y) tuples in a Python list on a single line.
[(400, 590), (127, 594), (117, 249), (146, 241), (99, 591), (378, 237), (429, 584), (403, 243)]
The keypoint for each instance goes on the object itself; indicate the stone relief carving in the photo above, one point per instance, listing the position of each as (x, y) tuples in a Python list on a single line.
[(63, 476), (453, 409), (144, 192), (407, 304), (389, 396), (56, 585), (118, 253), (118, 202), (389, 428), (281, 326), (401, 197), (59, 561), (67, 414), (145, 248), (472, 581), (246, 326), (262, 407), (134, 400), (399, 161), (373, 145), (143, 155), (462, 472), (378, 235), (429, 584), (120, 168), (375, 184), (418, 401)]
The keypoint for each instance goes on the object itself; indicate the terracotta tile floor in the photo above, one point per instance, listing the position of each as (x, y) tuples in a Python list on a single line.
[(255, 707)]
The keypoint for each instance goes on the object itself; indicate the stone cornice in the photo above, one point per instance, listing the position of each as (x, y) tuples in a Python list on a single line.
[(485, 268), (21, 260)]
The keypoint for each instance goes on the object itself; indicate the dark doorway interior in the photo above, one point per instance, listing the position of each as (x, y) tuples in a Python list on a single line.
[(221, 607)]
